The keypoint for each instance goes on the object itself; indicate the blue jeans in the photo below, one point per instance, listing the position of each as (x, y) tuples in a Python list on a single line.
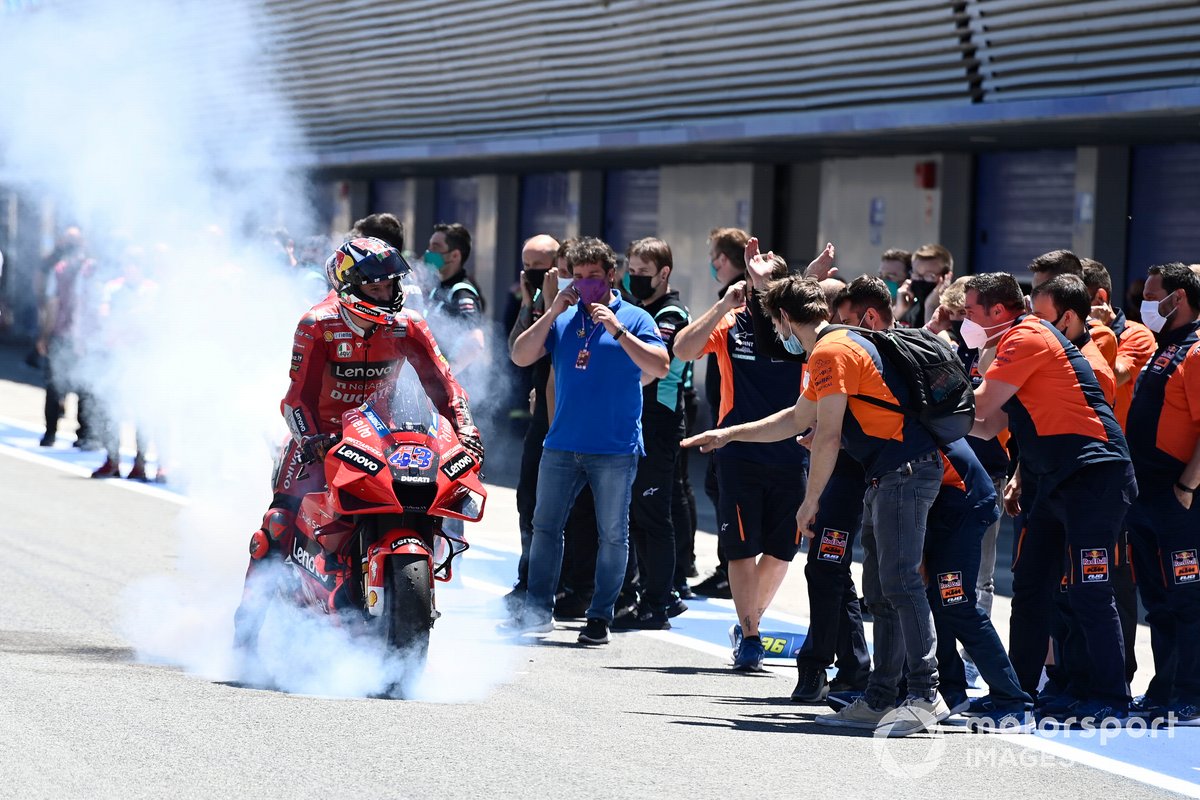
[(560, 478), (895, 510)]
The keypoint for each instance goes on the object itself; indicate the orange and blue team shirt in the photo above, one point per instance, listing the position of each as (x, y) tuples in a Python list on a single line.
[(1164, 419), (1100, 365), (1135, 347), (964, 475), (1058, 416), (1105, 339), (845, 362), (753, 386), (992, 453)]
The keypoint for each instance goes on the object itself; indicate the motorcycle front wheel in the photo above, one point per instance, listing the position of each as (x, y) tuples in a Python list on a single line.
[(408, 613)]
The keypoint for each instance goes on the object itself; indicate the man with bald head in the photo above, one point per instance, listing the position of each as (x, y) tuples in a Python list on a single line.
[(539, 285)]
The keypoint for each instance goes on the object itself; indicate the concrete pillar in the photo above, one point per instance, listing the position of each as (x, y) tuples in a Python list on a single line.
[(507, 244), (957, 184), (590, 206), (484, 254), (762, 204), (359, 200), (1102, 208), (424, 210), (798, 217)]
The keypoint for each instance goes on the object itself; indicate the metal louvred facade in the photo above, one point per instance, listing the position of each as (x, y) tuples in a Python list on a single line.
[(1035, 48), (370, 81), (364, 75)]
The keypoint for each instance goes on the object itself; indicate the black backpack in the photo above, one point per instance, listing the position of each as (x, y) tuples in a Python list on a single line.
[(939, 390)]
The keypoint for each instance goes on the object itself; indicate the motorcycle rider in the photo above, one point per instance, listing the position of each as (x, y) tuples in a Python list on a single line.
[(347, 347)]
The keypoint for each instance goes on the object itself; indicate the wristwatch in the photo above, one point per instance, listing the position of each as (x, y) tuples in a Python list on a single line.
[(621, 331), (1182, 488)]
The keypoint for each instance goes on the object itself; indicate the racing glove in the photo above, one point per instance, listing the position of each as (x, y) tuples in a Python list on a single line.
[(314, 448), (472, 441)]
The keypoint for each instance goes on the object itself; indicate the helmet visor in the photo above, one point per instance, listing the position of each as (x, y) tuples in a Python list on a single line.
[(374, 269)]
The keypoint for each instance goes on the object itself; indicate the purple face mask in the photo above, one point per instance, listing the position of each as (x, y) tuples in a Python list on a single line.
[(592, 290)]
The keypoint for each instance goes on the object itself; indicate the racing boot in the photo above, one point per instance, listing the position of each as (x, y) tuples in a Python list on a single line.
[(269, 545)]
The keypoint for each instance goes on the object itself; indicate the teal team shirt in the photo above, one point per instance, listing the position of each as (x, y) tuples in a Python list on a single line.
[(598, 409)]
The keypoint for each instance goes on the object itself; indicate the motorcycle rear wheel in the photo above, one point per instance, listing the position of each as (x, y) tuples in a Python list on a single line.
[(408, 612)]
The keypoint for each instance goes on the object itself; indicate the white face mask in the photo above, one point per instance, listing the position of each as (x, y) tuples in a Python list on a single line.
[(975, 336), (1152, 318), (563, 283)]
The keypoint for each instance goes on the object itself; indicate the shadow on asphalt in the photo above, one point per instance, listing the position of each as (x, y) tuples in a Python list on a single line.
[(696, 671), (758, 723), (13, 367), (27, 643)]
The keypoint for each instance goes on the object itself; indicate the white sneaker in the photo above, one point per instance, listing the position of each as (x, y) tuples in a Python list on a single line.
[(856, 715), (915, 715), (521, 627)]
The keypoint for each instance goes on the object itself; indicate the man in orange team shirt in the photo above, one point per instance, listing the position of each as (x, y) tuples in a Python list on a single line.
[(1077, 484)]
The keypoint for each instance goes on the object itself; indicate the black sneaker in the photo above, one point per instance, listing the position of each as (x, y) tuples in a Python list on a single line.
[(627, 603), (685, 592), (715, 585), (1055, 706), (676, 606), (840, 684), (47, 440), (1184, 715), (1147, 707), (594, 632), (643, 619), (570, 606), (812, 685)]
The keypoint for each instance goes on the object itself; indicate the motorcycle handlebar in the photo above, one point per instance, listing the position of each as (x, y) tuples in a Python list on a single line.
[(314, 448)]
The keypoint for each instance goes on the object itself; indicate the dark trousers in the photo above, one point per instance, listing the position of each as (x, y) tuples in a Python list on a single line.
[(531, 457), (1078, 521), (953, 548), (714, 496), (683, 508), (835, 628), (55, 392), (1166, 545), (1069, 673), (651, 530)]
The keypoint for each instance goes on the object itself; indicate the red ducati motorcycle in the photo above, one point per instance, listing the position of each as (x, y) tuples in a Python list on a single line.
[(370, 548)]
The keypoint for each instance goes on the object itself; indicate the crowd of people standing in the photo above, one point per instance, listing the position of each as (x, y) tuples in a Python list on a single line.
[(1084, 428), (819, 439)]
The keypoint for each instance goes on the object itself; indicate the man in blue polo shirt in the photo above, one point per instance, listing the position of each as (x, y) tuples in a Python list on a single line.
[(600, 347)]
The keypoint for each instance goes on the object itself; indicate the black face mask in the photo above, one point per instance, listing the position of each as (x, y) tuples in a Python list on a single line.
[(921, 289), (956, 328), (639, 286), (534, 279)]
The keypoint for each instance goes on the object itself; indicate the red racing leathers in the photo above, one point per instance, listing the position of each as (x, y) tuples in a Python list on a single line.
[(336, 366)]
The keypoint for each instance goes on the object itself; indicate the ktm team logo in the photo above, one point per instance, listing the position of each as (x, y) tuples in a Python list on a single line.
[(950, 587), (1185, 567), (1094, 565)]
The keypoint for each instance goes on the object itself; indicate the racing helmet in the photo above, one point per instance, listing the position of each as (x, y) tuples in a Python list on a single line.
[(363, 261)]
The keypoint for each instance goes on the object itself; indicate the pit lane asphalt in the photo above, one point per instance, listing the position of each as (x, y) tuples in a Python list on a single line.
[(81, 716)]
